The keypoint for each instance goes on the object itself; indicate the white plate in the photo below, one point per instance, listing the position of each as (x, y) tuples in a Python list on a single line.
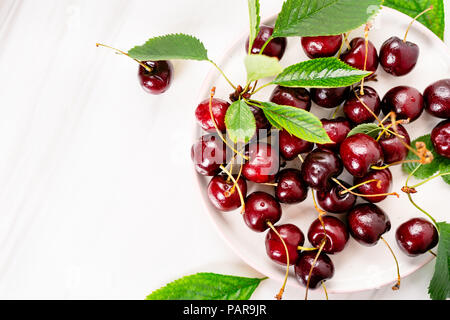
[(358, 267)]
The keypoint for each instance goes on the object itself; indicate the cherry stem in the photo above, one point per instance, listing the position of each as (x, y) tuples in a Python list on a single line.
[(431, 252), (261, 87), (335, 112), (322, 245), (237, 187), (393, 164), (365, 195), (237, 179), (301, 158), (368, 109), (366, 37), (306, 249), (270, 184), (397, 285), (357, 186), (429, 179), (146, 67), (325, 289), (417, 17), (279, 296), (342, 44), (223, 74), (264, 45)]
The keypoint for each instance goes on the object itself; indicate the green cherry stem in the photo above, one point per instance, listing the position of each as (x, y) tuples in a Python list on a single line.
[(262, 87), (265, 45), (146, 67), (222, 73), (429, 179)]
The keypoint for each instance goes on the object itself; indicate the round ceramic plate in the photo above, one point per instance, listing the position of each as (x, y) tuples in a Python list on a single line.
[(357, 267)]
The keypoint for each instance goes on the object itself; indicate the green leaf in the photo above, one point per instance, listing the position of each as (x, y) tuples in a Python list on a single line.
[(433, 20), (320, 73), (240, 122), (169, 47), (261, 66), (255, 20), (439, 288), (207, 286), (444, 167), (307, 18), (370, 129), (426, 170), (298, 122)]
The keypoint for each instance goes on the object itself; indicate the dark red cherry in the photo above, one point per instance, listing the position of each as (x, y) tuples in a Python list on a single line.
[(219, 109), (319, 167), (263, 163), (355, 56), (337, 129), (294, 97), (323, 269), (440, 137), (159, 79), (333, 201), (261, 208), (398, 57), (329, 97), (275, 48), (393, 148), (321, 46), (335, 231), (291, 146), (293, 238), (416, 236), (359, 152), (222, 194), (290, 187), (261, 121), (437, 99), (382, 186), (208, 153), (355, 110), (367, 223), (406, 102)]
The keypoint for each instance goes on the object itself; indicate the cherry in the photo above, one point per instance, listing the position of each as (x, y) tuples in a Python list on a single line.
[(416, 236), (337, 129), (367, 223), (157, 80), (322, 271), (261, 121), (319, 167), (263, 163), (293, 238), (355, 108), (356, 55), (393, 148), (335, 231), (291, 146), (406, 102), (260, 209), (334, 201), (440, 137), (329, 97), (398, 57), (380, 187), (290, 187), (437, 99), (294, 97), (321, 46), (208, 153), (223, 194), (359, 152), (219, 109), (275, 48)]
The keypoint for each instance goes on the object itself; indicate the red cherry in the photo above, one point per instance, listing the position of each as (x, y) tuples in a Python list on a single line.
[(355, 110), (321, 46), (290, 187), (291, 146), (263, 163), (219, 109), (223, 196), (294, 97), (437, 99), (335, 231), (416, 236), (440, 137), (208, 153), (398, 57), (261, 208), (406, 102), (322, 271), (337, 129), (393, 148), (275, 48), (382, 186), (356, 55), (159, 79), (293, 238)]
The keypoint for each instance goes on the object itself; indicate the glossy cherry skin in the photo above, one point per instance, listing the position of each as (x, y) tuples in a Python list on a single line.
[(406, 102), (261, 121), (416, 236), (333, 201), (336, 233), (261, 208), (437, 99), (329, 97), (397, 57), (219, 109), (291, 146), (393, 148), (440, 137), (293, 238), (222, 196), (323, 268), (383, 185), (321, 46), (263, 163), (275, 48), (359, 152), (319, 167), (367, 223), (290, 187), (208, 153), (355, 110), (356, 55), (159, 79), (337, 129), (294, 97)]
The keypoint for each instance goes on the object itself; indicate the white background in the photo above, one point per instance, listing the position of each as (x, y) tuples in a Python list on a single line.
[(97, 198)]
